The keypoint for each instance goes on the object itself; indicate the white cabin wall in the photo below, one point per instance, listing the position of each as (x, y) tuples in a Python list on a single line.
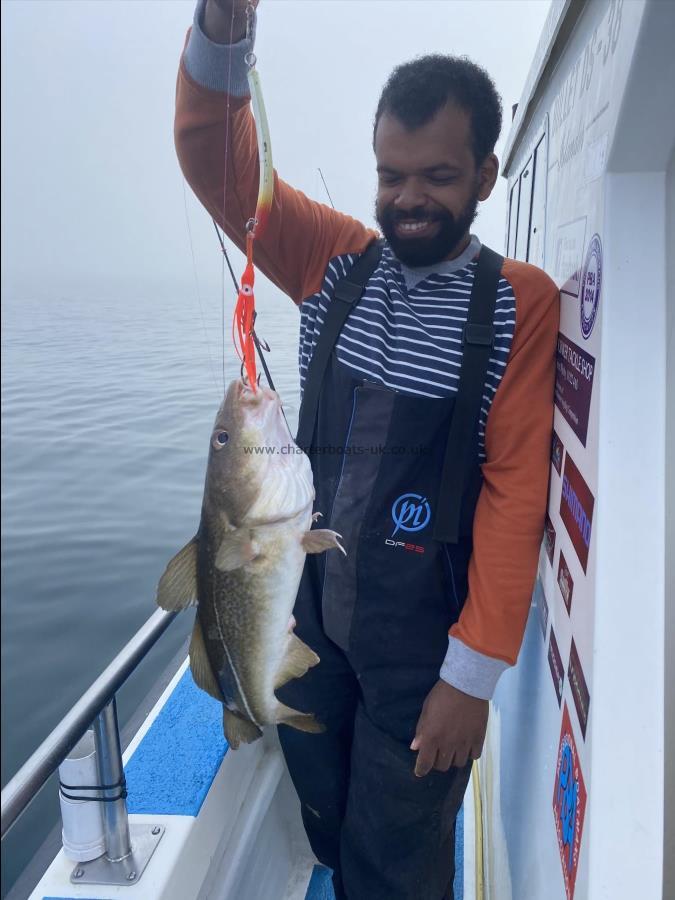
[(610, 133), (623, 842), (629, 785)]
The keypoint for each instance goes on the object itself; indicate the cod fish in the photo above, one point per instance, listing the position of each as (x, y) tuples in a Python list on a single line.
[(243, 567)]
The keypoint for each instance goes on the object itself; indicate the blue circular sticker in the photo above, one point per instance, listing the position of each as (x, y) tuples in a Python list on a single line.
[(590, 286)]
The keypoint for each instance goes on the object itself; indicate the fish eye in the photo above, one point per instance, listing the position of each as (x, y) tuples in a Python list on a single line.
[(247, 289), (219, 439)]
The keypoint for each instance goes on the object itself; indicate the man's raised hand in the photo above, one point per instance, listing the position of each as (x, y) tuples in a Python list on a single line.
[(225, 20)]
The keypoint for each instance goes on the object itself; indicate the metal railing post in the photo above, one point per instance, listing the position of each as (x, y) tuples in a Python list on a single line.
[(111, 772), (128, 848), (18, 793)]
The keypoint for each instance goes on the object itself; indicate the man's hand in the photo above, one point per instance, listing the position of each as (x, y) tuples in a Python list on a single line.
[(450, 730), (225, 20)]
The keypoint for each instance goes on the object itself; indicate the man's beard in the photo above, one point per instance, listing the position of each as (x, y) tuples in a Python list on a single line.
[(426, 251)]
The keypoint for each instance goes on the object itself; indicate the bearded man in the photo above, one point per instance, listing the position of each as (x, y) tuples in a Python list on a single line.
[(429, 360)]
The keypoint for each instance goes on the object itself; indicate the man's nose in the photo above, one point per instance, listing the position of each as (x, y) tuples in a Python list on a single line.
[(410, 196)]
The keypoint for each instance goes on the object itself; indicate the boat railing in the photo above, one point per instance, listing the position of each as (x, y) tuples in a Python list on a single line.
[(96, 708)]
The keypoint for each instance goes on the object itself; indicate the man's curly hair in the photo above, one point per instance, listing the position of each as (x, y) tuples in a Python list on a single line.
[(417, 90)]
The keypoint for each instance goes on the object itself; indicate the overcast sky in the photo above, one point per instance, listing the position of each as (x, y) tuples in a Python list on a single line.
[(92, 193)]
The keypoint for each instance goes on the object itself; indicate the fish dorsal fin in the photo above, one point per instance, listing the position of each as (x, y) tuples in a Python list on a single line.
[(237, 728), (200, 664), (177, 588), (295, 663), (236, 549)]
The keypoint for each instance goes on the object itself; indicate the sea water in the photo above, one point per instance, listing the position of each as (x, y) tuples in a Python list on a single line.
[(107, 410)]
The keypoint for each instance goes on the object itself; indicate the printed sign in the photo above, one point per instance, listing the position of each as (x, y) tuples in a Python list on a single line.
[(568, 250), (574, 385), (590, 287), (576, 510), (569, 804), (565, 582), (549, 538), (582, 699), (542, 605), (556, 665), (557, 451)]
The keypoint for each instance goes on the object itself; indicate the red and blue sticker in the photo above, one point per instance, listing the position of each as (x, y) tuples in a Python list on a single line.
[(569, 803)]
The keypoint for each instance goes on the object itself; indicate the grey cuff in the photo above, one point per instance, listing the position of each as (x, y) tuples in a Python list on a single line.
[(471, 672), (220, 67)]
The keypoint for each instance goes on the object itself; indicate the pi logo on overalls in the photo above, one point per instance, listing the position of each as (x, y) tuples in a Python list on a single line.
[(410, 512)]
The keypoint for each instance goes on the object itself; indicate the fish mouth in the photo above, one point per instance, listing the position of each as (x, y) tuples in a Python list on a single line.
[(260, 397), (265, 409)]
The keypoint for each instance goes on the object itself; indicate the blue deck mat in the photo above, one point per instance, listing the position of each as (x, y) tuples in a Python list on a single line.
[(174, 765), (321, 886)]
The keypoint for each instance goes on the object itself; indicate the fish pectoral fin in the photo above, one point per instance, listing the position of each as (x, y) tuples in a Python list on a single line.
[(299, 657), (302, 721), (200, 664), (238, 728), (177, 588), (236, 549), (320, 539)]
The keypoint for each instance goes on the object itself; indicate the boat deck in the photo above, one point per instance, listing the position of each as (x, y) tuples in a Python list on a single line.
[(233, 828)]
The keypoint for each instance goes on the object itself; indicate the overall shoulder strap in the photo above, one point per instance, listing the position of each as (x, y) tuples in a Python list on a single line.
[(346, 295), (477, 343)]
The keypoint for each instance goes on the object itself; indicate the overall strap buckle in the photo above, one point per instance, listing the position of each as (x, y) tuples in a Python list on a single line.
[(348, 291), (478, 335)]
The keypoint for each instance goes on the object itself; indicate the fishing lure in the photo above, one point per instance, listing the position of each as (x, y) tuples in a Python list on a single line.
[(243, 325)]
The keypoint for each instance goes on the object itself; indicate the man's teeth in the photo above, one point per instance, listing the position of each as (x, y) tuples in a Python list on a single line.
[(412, 226)]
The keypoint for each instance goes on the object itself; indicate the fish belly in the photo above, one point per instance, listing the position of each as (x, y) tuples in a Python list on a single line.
[(245, 619)]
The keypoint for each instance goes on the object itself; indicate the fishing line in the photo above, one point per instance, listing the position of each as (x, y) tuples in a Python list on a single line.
[(227, 141), (244, 288), (326, 186), (222, 317), (226, 257), (196, 277)]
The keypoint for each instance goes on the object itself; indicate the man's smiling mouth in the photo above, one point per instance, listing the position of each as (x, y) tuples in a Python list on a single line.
[(415, 227)]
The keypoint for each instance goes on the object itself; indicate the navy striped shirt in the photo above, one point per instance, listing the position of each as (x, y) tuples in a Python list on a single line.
[(409, 338)]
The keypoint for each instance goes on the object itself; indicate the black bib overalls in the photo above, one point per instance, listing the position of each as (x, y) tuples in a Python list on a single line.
[(379, 616)]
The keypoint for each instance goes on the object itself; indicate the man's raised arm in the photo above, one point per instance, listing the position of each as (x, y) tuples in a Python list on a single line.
[(217, 150)]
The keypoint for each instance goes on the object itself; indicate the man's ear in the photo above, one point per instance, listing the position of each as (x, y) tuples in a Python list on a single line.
[(487, 176)]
